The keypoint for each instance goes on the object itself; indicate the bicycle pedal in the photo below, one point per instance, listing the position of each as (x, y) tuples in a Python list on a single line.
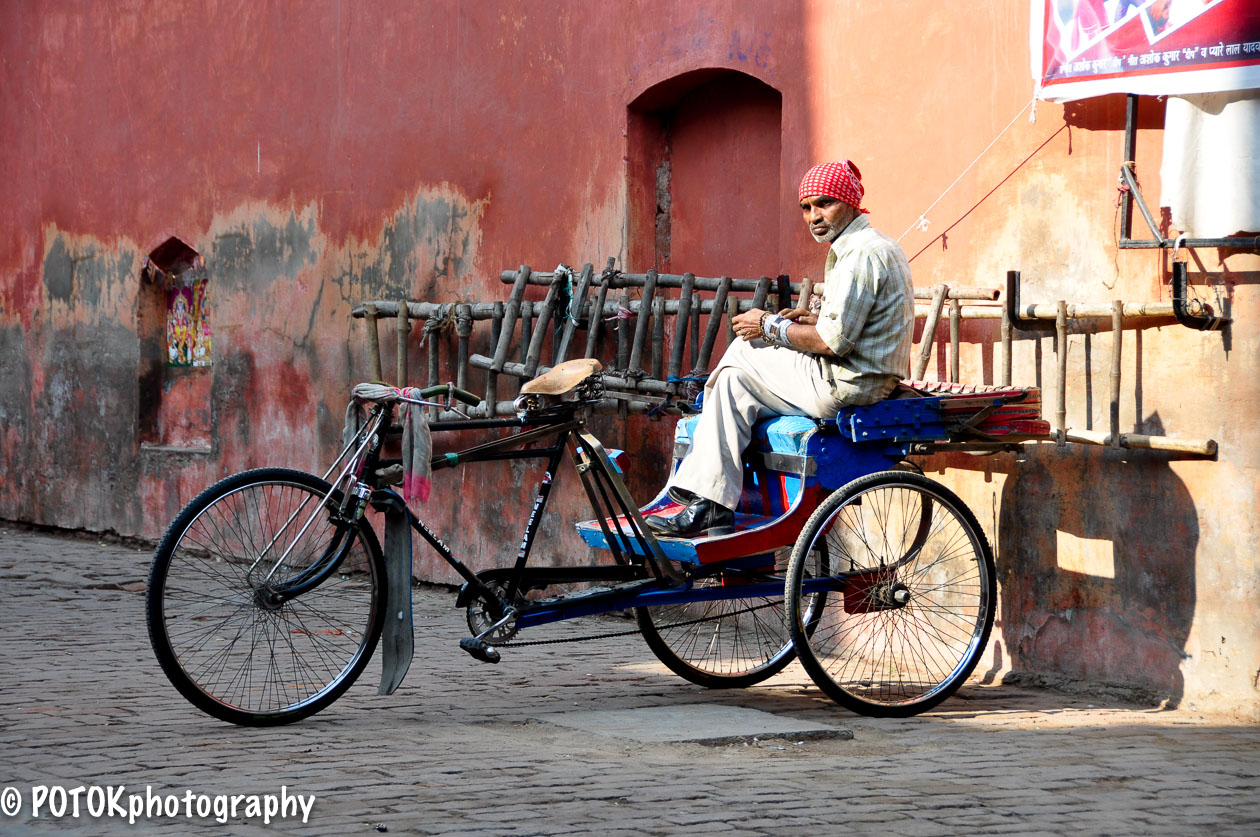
[(479, 649)]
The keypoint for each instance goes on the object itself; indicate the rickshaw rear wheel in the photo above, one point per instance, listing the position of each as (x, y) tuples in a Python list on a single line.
[(910, 609)]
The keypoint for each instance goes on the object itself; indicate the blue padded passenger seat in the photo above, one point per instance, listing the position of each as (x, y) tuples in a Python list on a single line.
[(779, 434)]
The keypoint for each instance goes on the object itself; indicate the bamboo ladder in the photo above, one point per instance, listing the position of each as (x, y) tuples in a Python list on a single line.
[(624, 317)]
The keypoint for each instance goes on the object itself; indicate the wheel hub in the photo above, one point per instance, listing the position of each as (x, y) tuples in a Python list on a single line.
[(875, 590), (890, 596), (267, 598)]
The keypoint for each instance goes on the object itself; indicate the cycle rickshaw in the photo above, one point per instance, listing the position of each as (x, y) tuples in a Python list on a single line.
[(270, 591)]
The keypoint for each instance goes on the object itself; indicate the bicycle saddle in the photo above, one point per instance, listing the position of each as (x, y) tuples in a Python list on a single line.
[(563, 377)]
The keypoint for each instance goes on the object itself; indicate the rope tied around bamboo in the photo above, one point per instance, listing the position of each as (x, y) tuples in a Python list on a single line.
[(443, 321)]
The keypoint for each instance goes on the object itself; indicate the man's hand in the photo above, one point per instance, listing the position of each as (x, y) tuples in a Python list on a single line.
[(800, 315), (802, 334), (748, 324)]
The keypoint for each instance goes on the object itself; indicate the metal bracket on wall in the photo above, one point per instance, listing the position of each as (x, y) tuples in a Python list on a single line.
[(1131, 192), (1190, 313), (1055, 317)]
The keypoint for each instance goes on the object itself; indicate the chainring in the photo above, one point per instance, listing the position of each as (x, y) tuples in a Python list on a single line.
[(480, 615)]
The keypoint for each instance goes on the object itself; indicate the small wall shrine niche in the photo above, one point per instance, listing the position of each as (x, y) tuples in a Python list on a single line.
[(181, 271)]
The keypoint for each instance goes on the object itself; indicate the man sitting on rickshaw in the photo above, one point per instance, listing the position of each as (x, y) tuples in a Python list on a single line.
[(853, 350)]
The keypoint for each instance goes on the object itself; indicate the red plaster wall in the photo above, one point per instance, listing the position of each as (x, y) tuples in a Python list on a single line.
[(323, 154)]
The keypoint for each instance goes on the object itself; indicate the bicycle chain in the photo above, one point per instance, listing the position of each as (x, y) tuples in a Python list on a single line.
[(627, 633)]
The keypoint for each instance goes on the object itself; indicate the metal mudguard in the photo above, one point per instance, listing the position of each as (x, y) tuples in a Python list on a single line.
[(397, 637)]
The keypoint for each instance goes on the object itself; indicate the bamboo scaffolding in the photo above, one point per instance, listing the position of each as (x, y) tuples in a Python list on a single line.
[(666, 353), (704, 283)]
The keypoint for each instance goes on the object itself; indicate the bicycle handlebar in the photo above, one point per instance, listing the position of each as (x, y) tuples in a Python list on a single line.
[(455, 392)]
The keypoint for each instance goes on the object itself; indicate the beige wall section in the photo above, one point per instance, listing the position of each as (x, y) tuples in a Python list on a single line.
[(1136, 568)]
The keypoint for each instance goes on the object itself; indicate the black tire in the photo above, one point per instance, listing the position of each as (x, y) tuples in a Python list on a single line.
[(221, 646), (724, 644), (914, 615)]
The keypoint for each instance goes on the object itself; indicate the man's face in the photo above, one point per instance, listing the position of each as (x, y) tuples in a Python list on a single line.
[(826, 217)]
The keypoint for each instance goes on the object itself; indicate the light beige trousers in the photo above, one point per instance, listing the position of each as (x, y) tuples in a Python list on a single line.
[(752, 381)]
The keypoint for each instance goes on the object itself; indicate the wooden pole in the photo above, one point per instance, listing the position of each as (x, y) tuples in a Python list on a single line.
[(433, 342), (595, 321), (641, 327), (959, 293), (403, 328), (463, 331), (1060, 415), (527, 329), (577, 304), (623, 334), (762, 293), (510, 315), (542, 326), (1006, 347), (807, 290), (374, 343), (681, 326), (1079, 311), (954, 330), (492, 377), (1199, 447), (1117, 345), (715, 322), (694, 329), (785, 292), (929, 332), (658, 337)]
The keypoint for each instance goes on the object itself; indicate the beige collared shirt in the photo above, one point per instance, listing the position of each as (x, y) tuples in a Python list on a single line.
[(867, 314)]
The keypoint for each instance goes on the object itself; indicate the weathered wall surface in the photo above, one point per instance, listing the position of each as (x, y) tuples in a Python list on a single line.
[(1115, 566), (352, 152)]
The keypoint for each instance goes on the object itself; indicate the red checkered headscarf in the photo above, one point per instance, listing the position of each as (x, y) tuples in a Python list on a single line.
[(841, 181)]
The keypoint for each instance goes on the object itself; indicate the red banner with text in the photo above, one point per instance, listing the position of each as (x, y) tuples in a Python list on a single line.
[(1085, 48)]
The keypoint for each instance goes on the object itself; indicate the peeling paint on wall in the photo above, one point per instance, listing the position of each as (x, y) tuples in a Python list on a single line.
[(422, 173)]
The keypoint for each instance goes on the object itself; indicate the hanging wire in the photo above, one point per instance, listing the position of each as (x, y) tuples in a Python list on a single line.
[(922, 222)]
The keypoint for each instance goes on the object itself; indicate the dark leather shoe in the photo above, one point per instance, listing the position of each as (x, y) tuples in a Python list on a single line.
[(681, 495), (699, 517)]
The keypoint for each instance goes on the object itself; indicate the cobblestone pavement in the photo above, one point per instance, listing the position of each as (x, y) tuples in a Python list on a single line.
[(467, 748)]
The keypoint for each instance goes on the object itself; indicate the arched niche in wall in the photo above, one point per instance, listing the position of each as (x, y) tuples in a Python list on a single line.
[(703, 154), (175, 350)]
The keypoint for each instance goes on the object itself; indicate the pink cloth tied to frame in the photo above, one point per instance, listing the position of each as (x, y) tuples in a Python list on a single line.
[(840, 180), (417, 443)]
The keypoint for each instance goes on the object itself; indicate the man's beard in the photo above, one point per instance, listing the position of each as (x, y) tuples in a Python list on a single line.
[(832, 233)]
